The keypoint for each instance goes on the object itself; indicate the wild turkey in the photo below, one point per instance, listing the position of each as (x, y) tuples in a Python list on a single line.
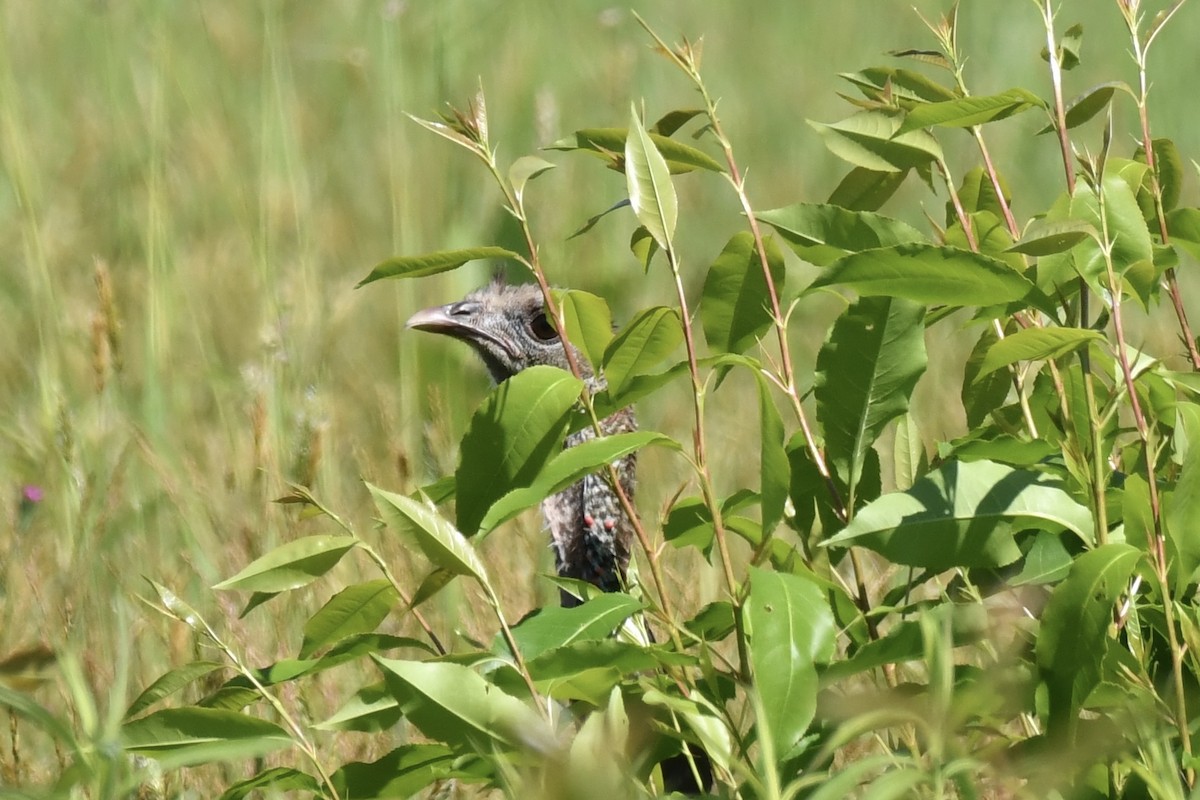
[(590, 533), (507, 326)]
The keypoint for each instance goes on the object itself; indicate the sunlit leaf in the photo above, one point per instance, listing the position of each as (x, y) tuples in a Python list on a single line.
[(641, 346), (589, 323), (356, 609), (525, 169), (1035, 344), (1089, 104), (432, 533), (821, 234), (871, 139), (929, 275), (568, 467), (185, 736), (279, 779), (965, 514), (432, 263), (453, 704), (651, 193), (291, 565), (791, 628), (964, 112)]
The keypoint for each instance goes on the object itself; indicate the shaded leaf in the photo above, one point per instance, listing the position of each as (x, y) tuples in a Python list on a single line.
[(1047, 238), (279, 779), (735, 307), (1074, 625), (866, 372), (518, 429), (170, 683), (610, 141), (525, 169), (866, 190), (403, 772), (1089, 104)]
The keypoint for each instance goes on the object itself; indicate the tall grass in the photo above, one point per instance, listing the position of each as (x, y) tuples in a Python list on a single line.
[(189, 192)]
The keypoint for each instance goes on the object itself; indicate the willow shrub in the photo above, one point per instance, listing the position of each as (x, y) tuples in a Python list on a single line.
[(1025, 622)]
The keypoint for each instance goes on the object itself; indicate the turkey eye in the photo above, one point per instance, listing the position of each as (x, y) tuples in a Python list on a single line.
[(542, 329)]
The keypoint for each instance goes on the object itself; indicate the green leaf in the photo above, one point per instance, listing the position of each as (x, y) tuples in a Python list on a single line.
[(517, 430), (865, 189), (905, 642), (403, 772), (355, 609), (641, 346), (432, 263), (872, 140), (291, 565), (866, 372), (735, 307), (370, 710), (588, 670), (1047, 238), (929, 275), (1131, 242), (1068, 48), (1182, 505), (791, 628), (451, 703), (1184, 226), (186, 736), (964, 514), (821, 234), (599, 765), (651, 193), (902, 84), (980, 398), (1074, 626), (553, 627), (1046, 562), (774, 468), (1089, 104), (279, 779), (569, 466), (170, 683), (432, 533), (1035, 344), (589, 323), (525, 169), (610, 141), (643, 246), (965, 112)]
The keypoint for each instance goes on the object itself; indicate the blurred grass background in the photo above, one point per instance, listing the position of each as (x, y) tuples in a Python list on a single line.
[(189, 192)]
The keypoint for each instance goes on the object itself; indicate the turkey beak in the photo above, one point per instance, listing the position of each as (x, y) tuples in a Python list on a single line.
[(459, 320), (443, 319)]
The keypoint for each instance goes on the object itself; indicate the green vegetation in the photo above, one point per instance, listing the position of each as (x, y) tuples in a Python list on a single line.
[(952, 554)]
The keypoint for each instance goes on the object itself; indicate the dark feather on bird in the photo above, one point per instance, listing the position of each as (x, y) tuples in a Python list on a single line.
[(508, 327)]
